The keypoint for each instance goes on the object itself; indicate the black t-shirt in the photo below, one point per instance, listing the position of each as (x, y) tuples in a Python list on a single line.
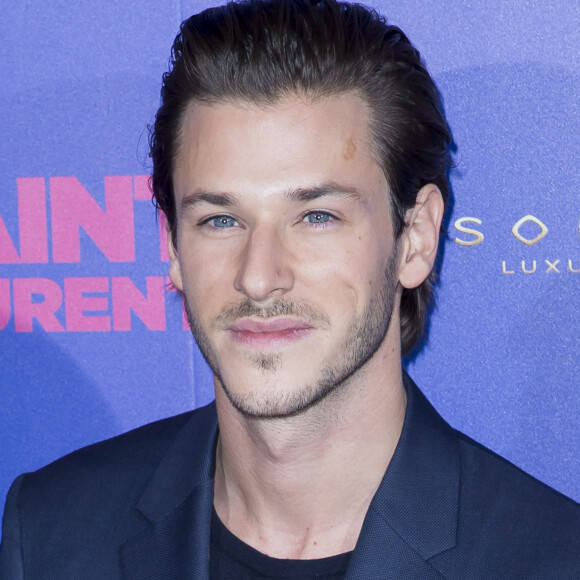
[(231, 559)]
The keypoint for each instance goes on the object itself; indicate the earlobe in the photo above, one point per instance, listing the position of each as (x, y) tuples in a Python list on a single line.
[(420, 239), (174, 266)]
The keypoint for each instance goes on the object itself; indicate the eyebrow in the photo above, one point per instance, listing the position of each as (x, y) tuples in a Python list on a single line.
[(198, 196), (300, 194), (323, 190)]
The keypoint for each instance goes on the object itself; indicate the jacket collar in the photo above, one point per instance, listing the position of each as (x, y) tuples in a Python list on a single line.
[(190, 462), (177, 503), (419, 495), (414, 513), (412, 517)]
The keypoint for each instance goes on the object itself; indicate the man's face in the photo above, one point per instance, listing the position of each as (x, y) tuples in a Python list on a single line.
[(285, 249)]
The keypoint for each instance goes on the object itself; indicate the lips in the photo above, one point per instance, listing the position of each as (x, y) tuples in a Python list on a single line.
[(273, 332)]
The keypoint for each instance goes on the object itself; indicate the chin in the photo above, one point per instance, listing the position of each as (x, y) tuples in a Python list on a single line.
[(268, 395)]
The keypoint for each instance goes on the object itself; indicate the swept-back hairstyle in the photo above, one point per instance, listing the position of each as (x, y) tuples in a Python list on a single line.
[(262, 50)]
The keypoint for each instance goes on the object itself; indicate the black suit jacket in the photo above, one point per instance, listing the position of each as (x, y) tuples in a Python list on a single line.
[(138, 507)]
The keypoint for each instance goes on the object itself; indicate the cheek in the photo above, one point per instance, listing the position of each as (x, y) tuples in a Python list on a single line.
[(343, 278), (205, 263), (205, 279)]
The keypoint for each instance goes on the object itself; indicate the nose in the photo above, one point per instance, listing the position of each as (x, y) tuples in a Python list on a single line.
[(264, 270)]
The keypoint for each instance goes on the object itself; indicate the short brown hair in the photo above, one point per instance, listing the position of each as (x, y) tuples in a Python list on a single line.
[(262, 50)]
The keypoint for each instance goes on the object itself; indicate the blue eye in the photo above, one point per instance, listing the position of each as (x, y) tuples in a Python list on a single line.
[(318, 217), (222, 222)]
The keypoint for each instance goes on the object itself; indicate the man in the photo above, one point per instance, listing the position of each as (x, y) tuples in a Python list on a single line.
[(300, 156)]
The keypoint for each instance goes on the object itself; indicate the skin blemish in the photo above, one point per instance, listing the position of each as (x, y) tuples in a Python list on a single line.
[(349, 149)]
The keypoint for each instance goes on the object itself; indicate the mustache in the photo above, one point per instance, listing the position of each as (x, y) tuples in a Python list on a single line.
[(280, 307)]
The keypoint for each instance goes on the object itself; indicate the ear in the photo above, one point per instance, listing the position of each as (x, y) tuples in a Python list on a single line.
[(420, 238), (174, 265)]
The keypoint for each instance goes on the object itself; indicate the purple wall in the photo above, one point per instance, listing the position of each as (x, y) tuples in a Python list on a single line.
[(92, 343)]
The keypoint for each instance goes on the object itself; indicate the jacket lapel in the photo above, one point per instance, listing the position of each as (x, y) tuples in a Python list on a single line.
[(381, 554), (412, 517), (177, 502), (175, 547), (414, 513)]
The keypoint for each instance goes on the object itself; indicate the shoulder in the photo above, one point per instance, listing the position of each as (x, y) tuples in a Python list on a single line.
[(508, 520), (71, 516), (483, 516), (491, 477), (115, 467)]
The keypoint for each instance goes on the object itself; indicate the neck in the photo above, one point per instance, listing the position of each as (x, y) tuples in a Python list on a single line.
[(299, 487)]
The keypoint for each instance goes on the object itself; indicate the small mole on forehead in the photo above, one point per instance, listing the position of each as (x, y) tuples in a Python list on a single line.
[(349, 149)]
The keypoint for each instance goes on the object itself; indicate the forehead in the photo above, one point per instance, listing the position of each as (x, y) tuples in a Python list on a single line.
[(239, 146)]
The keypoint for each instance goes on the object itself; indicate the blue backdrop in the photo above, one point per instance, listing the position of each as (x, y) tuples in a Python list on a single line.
[(91, 340)]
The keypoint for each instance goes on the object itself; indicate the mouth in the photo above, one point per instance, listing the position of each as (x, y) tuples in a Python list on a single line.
[(269, 333)]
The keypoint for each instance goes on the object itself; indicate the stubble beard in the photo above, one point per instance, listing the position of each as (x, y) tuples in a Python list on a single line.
[(364, 337)]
